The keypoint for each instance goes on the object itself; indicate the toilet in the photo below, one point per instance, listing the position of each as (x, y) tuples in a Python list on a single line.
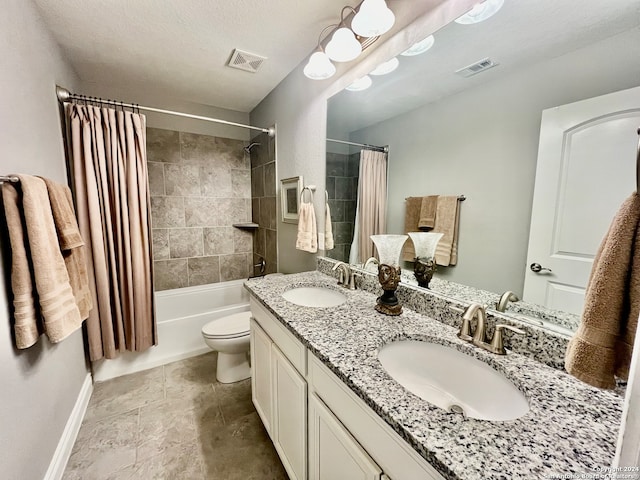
[(229, 336)]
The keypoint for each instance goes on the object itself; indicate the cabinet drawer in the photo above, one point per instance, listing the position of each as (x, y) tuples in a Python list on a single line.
[(395, 456), (289, 345)]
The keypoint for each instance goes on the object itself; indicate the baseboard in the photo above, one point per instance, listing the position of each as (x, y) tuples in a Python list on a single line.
[(70, 433)]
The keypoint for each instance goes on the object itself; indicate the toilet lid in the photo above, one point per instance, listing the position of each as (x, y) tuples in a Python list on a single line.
[(232, 326)]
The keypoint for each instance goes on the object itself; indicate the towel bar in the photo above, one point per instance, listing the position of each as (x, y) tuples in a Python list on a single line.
[(6, 178)]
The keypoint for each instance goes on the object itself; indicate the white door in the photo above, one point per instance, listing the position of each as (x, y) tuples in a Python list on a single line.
[(586, 168), (261, 374), (289, 415), (333, 453)]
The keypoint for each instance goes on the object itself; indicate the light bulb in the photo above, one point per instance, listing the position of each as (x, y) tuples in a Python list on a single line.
[(373, 18), (319, 66), (360, 84), (386, 67), (480, 12), (419, 47), (343, 46)]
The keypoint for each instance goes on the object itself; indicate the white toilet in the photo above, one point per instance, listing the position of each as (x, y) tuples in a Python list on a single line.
[(229, 336)]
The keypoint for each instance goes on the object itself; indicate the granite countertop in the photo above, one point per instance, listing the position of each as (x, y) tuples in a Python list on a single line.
[(570, 428)]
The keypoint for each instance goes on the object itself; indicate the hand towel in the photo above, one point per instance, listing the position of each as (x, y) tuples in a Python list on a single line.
[(427, 220), (71, 244), (328, 229), (447, 214), (601, 348), (307, 229), (412, 208), (58, 308), (26, 313)]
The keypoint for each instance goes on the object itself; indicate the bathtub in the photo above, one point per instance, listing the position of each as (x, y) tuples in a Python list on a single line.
[(180, 315)]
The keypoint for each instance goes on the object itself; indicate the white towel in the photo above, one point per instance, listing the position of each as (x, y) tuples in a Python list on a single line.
[(328, 230), (307, 229)]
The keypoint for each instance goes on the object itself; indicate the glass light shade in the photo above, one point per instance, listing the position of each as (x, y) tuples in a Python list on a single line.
[(360, 84), (386, 67), (373, 18), (319, 67), (425, 243), (343, 46), (419, 47), (480, 12), (389, 248)]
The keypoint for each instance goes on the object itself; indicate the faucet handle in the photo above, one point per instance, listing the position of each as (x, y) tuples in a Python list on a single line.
[(352, 280), (465, 332), (497, 345)]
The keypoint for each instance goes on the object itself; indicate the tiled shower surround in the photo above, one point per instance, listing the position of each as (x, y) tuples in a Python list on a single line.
[(342, 190), (200, 185), (263, 202)]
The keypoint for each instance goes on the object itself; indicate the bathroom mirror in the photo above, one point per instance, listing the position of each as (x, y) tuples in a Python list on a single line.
[(459, 124)]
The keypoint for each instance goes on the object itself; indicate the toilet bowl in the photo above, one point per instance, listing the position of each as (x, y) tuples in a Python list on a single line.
[(229, 336)]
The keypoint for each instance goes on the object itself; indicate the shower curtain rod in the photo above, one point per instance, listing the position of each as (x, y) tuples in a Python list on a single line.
[(384, 149), (65, 95)]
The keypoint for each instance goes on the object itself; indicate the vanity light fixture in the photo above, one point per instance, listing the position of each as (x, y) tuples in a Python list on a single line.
[(319, 66), (343, 46), (386, 67), (480, 12), (373, 18), (419, 47), (360, 84)]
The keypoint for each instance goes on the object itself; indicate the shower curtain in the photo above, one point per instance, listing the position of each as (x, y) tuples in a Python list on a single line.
[(371, 210), (107, 153)]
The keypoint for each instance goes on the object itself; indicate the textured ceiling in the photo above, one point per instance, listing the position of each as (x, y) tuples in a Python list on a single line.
[(180, 48), (522, 33)]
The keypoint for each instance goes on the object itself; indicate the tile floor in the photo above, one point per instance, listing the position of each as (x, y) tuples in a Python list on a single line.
[(173, 422)]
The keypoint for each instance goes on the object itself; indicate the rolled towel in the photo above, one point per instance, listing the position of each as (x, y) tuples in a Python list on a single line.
[(328, 229)]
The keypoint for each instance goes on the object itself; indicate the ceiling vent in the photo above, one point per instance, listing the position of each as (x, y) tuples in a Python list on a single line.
[(249, 62), (477, 67)]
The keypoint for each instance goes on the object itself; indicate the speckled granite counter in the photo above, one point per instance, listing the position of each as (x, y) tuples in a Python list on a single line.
[(570, 428)]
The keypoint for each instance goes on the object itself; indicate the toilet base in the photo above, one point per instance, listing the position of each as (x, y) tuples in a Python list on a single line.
[(232, 367)]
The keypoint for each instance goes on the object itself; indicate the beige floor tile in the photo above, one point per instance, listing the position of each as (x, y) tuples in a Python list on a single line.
[(126, 393), (235, 399), (241, 450), (191, 379), (181, 462)]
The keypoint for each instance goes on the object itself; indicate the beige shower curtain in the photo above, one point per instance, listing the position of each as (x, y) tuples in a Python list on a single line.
[(372, 200), (109, 168)]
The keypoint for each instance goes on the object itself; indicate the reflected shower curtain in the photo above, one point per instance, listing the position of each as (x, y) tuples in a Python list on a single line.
[(109, 168), (371, 210)]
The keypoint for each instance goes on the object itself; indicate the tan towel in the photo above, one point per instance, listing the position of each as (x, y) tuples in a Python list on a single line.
[(27, 327), (71, 244), (58, 309), (447, 214), (427, 220), (307, 229), (328, 229), (413, 206), (601, 348)]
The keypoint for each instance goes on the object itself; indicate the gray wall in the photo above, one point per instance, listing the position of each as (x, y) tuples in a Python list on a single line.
[(40, 385), (483, 143)]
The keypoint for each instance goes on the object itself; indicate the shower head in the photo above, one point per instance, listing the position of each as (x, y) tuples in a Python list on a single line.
[(250, 146)]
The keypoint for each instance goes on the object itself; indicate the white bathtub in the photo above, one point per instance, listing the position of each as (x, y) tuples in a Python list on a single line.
[(180, 315)]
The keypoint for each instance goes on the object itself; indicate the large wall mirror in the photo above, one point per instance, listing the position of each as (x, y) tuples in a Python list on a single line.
[(479, 135)]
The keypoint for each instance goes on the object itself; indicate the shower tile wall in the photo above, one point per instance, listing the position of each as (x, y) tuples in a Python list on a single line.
[(263, 202), (200, 185), (342, 190)]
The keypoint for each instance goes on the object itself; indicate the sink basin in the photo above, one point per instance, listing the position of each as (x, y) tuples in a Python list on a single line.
[(452, 380), (318, 297)]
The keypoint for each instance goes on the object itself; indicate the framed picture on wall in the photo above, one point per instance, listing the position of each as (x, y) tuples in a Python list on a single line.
[(290, 189)]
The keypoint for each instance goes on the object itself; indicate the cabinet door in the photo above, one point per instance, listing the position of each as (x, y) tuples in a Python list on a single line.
[(289, 415), (333, 453), (261, 375)]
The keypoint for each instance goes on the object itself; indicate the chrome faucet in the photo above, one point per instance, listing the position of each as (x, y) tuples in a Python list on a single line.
[(505, 298), (347, 277), (479, 338)]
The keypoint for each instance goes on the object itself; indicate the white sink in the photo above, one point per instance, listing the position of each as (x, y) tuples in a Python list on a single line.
[(452, 380), (318, 297)]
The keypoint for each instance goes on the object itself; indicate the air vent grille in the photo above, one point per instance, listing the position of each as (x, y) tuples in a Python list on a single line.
[(249, 62), (477, 67)]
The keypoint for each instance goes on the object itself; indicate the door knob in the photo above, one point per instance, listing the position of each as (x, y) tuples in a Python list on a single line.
[(537, 268)]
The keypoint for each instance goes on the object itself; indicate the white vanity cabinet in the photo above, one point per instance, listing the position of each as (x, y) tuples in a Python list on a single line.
[(279, 390)]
